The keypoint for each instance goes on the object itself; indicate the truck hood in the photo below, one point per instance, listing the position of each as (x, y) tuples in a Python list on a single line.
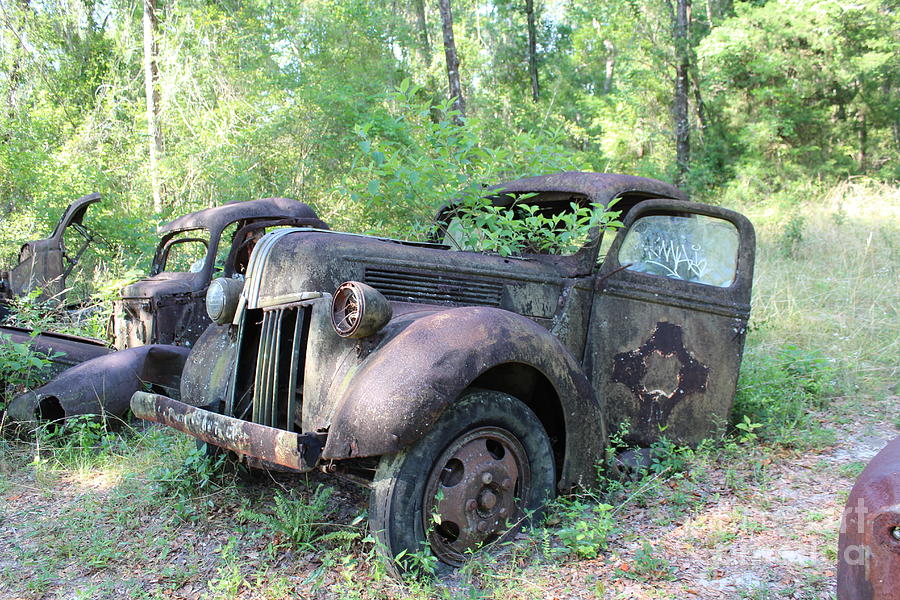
[(164, 284), (288, 263)]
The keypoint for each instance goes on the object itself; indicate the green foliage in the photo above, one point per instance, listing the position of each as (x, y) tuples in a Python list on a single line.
[(585, 525), (791, 236), (77, 442), (776, 394), (648, 566), (522, 228), (417, 159), (188, 484), (301, 523), (21, 368), (799, 99)]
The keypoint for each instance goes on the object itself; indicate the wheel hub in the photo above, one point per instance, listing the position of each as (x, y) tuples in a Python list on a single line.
[(472, 491)]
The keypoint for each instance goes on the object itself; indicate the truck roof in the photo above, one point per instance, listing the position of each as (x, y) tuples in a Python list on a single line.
[(218, 217)]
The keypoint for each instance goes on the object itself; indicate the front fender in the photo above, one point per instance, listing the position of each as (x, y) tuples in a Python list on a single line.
[(102, 385), (399, 392)]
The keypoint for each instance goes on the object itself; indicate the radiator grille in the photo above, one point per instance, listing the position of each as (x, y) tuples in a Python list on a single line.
[(433, 288), (269, 375)]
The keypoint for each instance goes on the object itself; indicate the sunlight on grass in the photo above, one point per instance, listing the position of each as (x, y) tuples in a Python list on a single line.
[(837, 290)]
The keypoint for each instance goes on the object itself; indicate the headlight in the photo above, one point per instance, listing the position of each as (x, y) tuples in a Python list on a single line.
[(222, 299), (359, 310)]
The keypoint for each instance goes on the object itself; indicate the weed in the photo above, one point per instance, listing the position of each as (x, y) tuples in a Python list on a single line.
[(299, 523), (199, 473), (21, 367), (78, 442), (647, 566), (228, 580), (791, 235), (585, 526), (852, 470), (776, 393)]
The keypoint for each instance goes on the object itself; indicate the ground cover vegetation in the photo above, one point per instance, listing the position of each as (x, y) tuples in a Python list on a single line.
[(786, 111)]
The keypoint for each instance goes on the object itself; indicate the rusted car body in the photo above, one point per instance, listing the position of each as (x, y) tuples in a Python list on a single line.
[(157, 318), (45, 264), (869, 541), (464, 383), (168, 307)]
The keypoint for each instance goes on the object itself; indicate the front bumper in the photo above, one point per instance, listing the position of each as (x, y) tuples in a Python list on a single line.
[(295, 451)]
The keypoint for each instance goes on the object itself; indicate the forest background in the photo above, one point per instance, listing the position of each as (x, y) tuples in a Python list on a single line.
[(169, 106)]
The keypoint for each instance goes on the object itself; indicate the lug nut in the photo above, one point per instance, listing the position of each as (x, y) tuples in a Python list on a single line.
[(471, 504), (895, 533), (507, 484), (482, 526), (486, 478)]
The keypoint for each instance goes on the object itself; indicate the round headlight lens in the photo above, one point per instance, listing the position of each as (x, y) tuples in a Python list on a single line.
[(222, 299), (358, 310)]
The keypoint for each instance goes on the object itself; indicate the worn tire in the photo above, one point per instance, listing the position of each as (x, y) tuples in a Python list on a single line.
[(444, 472)]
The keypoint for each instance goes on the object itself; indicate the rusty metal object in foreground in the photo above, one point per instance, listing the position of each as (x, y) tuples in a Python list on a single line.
[(869, 543), (275, 446), (102, 385), (461, 370)]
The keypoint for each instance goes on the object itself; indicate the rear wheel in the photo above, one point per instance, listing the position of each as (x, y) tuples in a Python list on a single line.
[(470, 480)]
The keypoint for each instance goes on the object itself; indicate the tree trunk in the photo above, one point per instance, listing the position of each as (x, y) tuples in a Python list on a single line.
[(610, 66), (532, 50), (700, 106), (459, 102), (682, 90), (422, 29), (726, 8), (863, 132), (151, 88)]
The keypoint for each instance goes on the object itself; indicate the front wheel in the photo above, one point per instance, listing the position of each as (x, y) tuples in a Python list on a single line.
[(474, 476)]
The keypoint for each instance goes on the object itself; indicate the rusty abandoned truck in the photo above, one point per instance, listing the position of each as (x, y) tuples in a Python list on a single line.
[(466, 384)]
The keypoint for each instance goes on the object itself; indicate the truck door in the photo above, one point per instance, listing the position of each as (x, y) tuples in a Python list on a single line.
[(668, 320)]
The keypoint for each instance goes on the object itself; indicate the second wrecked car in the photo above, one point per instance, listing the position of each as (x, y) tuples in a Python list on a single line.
[(157, 318)]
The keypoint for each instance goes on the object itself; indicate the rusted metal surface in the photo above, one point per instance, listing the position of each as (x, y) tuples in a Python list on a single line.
[(359, 310), (406, 382), (665, 353), (45, 264), (103, 385), (869, 541), (475, 483), (272, 445), (219, 217), (169, 307), (64, 350), (660, 374), (378, 394), (581, 347)]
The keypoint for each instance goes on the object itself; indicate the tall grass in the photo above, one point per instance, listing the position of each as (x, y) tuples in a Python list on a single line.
[(826, 283)]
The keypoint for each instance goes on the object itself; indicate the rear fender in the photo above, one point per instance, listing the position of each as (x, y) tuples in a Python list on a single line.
[(400, 391)]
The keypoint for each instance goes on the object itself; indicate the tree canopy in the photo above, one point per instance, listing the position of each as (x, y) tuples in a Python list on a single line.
[(345, 104)]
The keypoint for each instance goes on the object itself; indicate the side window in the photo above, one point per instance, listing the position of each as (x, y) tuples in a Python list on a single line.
[(691, 248), (185, 252)]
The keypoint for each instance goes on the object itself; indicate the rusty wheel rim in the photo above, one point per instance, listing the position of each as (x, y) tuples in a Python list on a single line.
[(472, 492)]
